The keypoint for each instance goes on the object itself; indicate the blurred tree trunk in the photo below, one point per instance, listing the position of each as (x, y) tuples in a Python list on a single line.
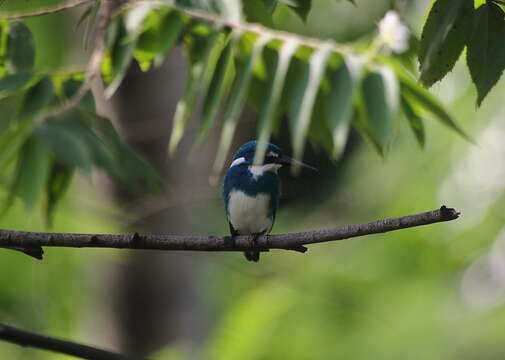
[(155, 296)]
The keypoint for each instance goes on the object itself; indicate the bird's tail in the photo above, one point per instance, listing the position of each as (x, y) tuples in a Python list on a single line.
[(252, 255)]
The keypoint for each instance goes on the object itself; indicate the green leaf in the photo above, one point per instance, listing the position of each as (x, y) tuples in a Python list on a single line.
[(486, 48), (160, 33), (380, 99), (271, 100), (205, 5), (20, 48), (59, 181), (147, 49), (257, 11), (135, 17), (9, 108), (198, 49), (113, 32), (11, 140), (79, 146), (303, 101), (4, 34), (90, 16), (213, 58), (170, 31), (415, 121), (445, 33), (344, 83), (270, 4), (127, 165), (37, 98), (501, 5), (236, 103), (414, 91), (121, 56), (218, 86), (9, 84), (301, 7), (319, 135), (101, 152), (104, 128), (32, 171), (65, 137), (141, 175), (72, 86)]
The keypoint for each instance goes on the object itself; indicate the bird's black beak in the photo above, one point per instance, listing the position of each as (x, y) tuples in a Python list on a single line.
[(286, 160)]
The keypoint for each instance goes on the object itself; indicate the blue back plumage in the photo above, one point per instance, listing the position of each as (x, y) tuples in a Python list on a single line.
[(239, 177)]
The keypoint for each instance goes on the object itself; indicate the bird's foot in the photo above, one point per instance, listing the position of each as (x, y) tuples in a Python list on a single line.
[(254, 255), (255, 238)]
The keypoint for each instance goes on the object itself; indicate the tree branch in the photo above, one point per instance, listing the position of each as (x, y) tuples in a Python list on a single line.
[(29, 339), (94, 63), (290, 241), (245, 26), (43, 11)]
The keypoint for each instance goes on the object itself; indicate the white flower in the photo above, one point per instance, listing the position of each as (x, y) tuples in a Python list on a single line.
[(393, 32)]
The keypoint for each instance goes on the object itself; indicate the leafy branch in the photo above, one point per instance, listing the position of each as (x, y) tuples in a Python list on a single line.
[(294, 69), (291, 241), (95, 61), (242, 26), (44, 10), (453, 25), (323, 88)]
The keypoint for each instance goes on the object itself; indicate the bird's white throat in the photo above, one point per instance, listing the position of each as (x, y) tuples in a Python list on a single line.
[(259, 170), (256, 170)]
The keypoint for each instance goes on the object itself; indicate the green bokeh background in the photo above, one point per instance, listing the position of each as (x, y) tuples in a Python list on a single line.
[(433, 292)]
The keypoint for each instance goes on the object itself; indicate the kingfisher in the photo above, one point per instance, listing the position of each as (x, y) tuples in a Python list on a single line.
[(251, 192)]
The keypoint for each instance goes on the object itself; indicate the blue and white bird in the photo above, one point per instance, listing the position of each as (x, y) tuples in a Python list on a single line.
[(251, 192)]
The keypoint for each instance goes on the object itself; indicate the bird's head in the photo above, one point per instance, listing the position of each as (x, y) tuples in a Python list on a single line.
[(274, 157)]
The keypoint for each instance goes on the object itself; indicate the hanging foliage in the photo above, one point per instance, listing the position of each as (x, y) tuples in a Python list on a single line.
[(234, 57)]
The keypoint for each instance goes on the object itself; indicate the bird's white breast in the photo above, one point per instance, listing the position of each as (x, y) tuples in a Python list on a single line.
[(249, 214)]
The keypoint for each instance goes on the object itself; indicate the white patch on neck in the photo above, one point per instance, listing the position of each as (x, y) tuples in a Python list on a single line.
[(272, 154), (259, 170), (237, 161)]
